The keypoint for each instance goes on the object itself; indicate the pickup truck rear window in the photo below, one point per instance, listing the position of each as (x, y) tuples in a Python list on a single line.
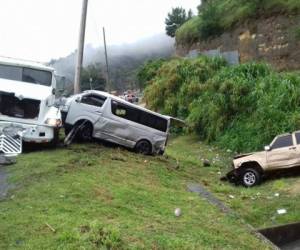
[(23, 74)]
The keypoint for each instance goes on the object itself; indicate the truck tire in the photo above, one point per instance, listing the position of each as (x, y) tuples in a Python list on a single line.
[(250, 177), (55, 139)]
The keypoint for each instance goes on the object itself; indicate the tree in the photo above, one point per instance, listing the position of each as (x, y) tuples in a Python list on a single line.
[(92, 77), (211, 20), (175, 19)]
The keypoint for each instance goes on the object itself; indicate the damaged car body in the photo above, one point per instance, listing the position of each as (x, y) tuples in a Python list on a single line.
[(283, 153), (27, 97), (112, 119)]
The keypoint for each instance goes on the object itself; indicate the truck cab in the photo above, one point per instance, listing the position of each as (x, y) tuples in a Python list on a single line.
[(27, 98)]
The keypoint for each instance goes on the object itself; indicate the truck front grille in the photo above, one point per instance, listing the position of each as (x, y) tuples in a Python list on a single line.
[(14, 107)]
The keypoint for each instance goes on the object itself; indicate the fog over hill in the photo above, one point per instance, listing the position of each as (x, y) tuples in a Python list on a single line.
[(124, 60)]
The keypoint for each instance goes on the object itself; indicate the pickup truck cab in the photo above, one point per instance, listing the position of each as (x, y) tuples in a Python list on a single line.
[(282, 153), (27, 97)]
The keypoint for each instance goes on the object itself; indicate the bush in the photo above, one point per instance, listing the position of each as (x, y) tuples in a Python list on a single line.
[(244, 107), (148, 71), (178, 82), (241, 108)]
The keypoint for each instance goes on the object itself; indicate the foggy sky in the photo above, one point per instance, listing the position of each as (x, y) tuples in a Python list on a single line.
[(43, 29)]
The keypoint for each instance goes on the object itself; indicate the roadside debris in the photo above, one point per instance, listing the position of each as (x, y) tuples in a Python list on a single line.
[(281, 211), (206, 163), (50, 227), (4, 160), (177, 212)]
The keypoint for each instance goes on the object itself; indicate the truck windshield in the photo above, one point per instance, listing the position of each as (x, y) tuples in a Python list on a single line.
[(23, 74)]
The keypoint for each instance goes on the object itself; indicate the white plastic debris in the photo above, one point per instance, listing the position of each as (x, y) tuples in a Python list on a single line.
[(231, 196), (281, 211), (276, 194), (177, 212)]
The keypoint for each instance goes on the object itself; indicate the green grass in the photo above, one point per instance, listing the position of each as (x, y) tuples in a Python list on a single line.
[(97, 197)]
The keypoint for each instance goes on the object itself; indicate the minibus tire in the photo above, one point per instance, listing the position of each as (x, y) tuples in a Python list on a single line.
[(86, 133), (143, 147)]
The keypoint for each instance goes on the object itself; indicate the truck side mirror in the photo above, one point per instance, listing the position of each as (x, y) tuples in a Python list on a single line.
[(267, 148)]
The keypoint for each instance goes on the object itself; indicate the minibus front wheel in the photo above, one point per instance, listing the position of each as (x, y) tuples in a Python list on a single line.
[(143, 147)]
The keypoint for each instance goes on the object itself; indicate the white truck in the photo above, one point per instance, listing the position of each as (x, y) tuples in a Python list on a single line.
[(27, 98)]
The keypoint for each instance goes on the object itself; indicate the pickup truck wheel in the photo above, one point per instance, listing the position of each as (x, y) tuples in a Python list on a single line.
[(250, 177), (143, 147)]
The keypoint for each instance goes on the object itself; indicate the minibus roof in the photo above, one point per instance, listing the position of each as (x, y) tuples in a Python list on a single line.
[(127, 103)]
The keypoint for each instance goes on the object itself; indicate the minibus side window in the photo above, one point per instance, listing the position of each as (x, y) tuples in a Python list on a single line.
[(154, 121), (139, 116), (124, 111)]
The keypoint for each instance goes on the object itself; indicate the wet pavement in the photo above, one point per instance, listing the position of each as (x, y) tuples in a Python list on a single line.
[(4, 186), (292, 246)]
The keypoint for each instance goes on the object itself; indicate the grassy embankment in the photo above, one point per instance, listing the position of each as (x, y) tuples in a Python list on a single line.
[(241, 108), (217, 16), (91, 196)]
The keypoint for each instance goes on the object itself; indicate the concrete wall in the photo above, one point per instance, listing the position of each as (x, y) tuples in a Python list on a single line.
[(270, 39)]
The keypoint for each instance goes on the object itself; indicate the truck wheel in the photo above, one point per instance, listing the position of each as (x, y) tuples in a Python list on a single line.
[(143, 147), (250, 177), (55, 139)]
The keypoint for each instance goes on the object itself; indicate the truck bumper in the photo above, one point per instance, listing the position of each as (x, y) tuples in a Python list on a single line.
[(33, 133)]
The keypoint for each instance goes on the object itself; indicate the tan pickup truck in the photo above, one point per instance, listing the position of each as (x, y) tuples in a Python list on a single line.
[(282, 153)]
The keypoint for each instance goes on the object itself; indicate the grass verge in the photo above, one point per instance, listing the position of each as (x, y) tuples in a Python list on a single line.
[(91, 197)]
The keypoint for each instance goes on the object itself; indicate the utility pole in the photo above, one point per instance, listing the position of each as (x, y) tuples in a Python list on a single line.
[(80, 47), (106, 60)]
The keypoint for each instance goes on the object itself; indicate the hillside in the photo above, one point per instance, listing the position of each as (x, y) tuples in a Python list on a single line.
[(124, 60), (252, 30), (218, 16)]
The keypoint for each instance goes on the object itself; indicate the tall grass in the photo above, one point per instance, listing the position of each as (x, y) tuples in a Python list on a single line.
[(241, 107)]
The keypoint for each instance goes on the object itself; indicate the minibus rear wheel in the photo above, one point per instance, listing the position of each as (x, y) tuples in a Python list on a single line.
[(143, 147)]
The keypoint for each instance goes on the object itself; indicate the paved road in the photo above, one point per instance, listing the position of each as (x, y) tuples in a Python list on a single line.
[(3, 182)]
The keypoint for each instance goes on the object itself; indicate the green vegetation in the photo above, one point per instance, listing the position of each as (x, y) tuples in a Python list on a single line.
[(297, 33), (175, 19), (216, 16), (241, 108), (148, 71), (94, 197)]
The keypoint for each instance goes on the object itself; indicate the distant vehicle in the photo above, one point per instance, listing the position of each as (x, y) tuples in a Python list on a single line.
[(27, 97), (282, 153), (112, 119), (131, 98)]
